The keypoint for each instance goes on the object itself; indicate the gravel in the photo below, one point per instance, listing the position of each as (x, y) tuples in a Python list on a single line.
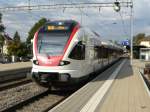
[(42, 104), (15, 95)]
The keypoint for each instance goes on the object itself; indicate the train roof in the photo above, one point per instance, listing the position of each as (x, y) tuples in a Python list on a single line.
[(59, 26), (111, 45), (62, 22)]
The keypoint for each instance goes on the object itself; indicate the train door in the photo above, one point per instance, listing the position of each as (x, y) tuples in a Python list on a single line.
[(78, 55), (90, 55), (97, 60)]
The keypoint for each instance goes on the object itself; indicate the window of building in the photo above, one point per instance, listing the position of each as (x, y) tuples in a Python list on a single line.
[(143, 57)]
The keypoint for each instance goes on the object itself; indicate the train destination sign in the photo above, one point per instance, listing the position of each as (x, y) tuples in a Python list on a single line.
[(49, 27)]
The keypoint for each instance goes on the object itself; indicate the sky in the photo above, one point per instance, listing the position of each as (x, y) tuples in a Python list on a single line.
[(109, 24)]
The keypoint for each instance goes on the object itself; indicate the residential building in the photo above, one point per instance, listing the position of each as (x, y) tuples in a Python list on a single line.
[(145, 42), (4, 48), (145, 52)]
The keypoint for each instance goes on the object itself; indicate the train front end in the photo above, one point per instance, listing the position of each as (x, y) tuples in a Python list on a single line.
[(49, 47)]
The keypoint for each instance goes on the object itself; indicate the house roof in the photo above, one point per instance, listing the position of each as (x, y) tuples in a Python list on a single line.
[(7, 37), (146, 39)]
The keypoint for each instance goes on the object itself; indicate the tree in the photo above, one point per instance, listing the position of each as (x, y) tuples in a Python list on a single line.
[(2, 28), (16, 37), (16, 47), (34, 29), (22, 51), (13, 48), (31, 33), (0, 17), (138, 38), (1, 42)]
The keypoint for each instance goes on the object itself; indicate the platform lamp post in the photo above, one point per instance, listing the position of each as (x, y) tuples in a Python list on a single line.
[(117, 8)]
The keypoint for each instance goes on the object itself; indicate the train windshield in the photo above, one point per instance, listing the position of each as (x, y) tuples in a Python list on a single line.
[(52, 44)]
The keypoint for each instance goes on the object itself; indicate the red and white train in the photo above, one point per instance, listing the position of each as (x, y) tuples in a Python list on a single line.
[(66, 53)]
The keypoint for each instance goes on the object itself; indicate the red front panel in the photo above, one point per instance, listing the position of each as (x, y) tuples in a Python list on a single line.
[(49, 61), (45, 60), (71, 37)]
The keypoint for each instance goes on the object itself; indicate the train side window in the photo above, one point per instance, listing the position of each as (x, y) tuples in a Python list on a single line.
[(96, 50), (105, 52), (78, 51)]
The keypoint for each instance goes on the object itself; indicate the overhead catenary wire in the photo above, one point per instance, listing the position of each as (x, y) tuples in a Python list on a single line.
[(102, 26), (62, 5), (78, 5), (81, 12), (123, 24)]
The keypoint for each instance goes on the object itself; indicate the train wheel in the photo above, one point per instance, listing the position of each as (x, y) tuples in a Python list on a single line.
[(39, 83)]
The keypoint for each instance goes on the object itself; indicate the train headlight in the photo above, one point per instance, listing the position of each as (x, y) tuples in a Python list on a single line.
[(35, 62), (62, 63)]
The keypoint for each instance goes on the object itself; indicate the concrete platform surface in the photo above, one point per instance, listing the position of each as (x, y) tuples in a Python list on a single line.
[(125, 92), (128, 93), (13, 66)]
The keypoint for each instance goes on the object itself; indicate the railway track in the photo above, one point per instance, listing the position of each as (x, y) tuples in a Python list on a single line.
[(13, 96), (44, 102), (15, 83), (30, 98)]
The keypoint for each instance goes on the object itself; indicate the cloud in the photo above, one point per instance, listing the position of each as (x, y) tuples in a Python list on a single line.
[(102, 22), (22, 3), (141, 8)]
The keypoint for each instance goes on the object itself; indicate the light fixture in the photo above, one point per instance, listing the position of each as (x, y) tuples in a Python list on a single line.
[(116, 6), (62, 63)]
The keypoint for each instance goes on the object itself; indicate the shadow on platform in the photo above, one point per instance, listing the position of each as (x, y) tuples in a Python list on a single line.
[(125, 71)]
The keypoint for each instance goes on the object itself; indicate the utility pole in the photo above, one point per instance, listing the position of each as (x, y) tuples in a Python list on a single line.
[(131, 25), (29, 5)]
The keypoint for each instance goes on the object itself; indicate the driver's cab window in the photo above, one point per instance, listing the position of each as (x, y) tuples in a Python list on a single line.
[(78, 52)]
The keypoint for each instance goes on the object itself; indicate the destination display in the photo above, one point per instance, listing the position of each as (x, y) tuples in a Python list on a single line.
[(52, 27)]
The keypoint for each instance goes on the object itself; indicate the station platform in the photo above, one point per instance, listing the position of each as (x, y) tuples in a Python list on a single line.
[(118, 89), (14, 66)]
